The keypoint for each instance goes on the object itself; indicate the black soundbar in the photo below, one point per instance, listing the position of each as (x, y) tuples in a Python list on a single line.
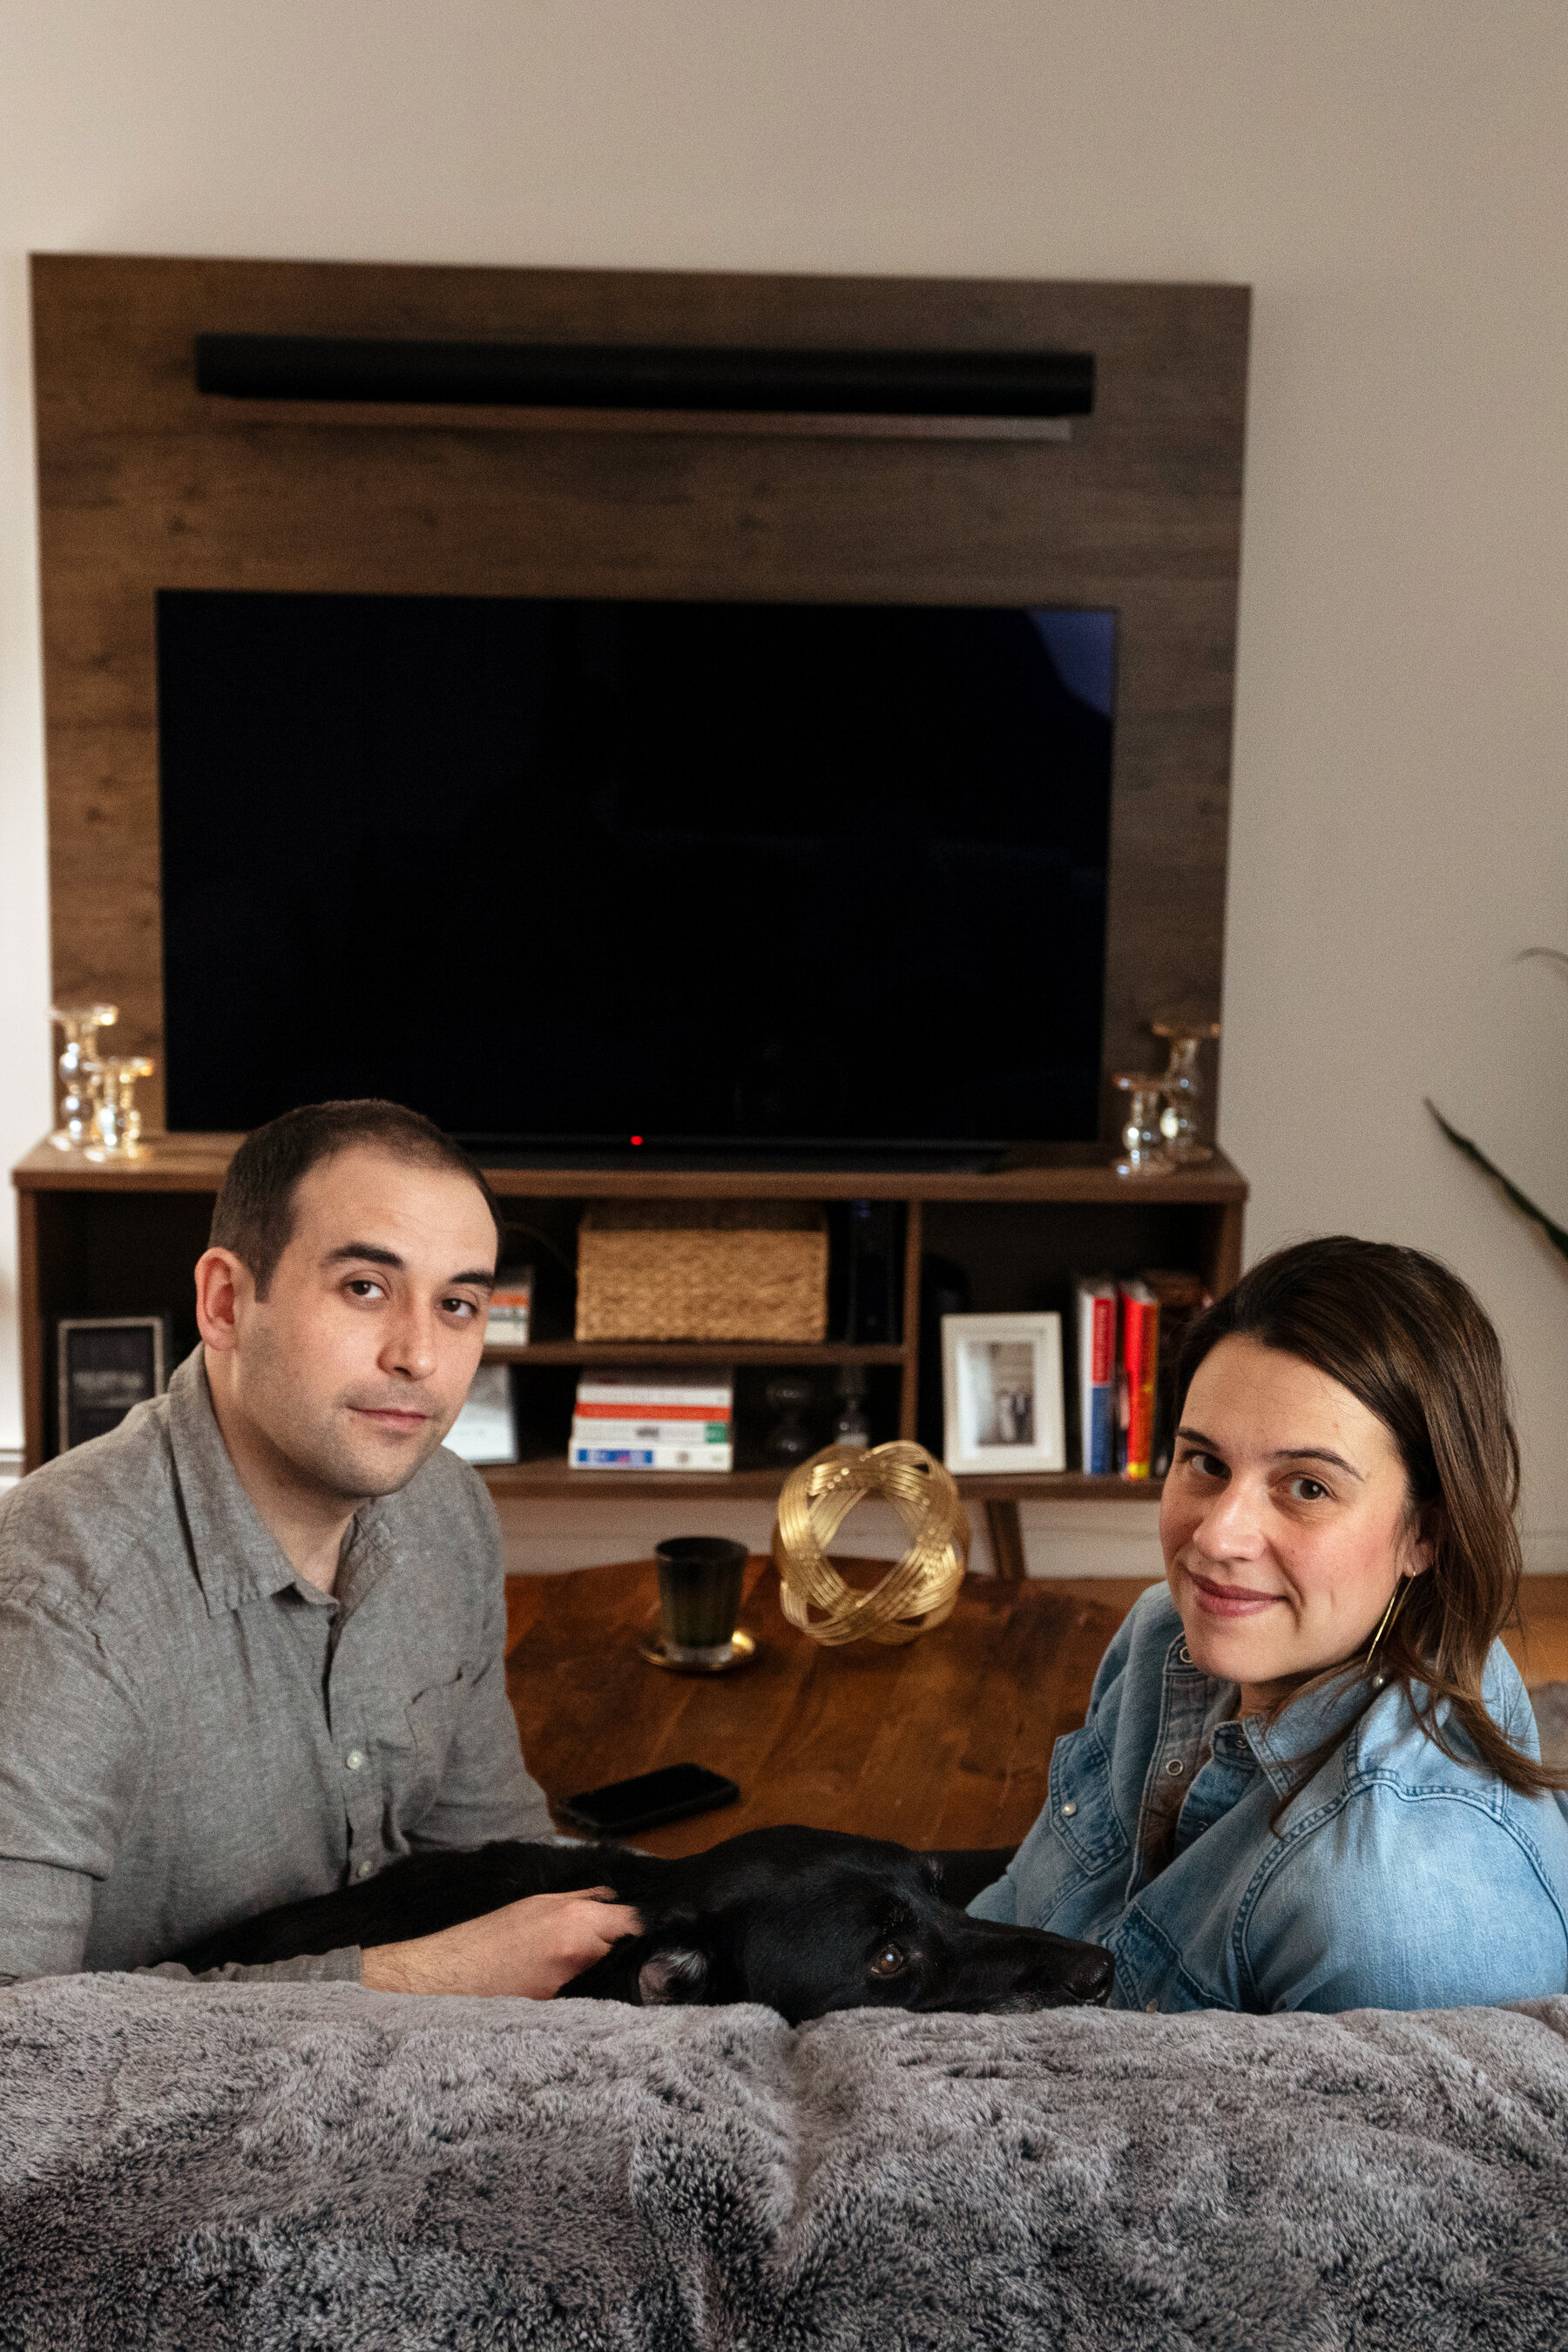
[(647, 376)]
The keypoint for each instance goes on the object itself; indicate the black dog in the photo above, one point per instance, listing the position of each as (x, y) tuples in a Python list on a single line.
[(804, 1920)]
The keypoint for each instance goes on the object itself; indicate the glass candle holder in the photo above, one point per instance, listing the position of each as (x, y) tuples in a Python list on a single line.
[(116, 1121), (79, 1070), (1141, 1147), (850, 1426), (789, 1440), (699, 1580), (1181, 1142)]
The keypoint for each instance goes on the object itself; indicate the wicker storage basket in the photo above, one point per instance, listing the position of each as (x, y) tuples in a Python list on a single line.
[(702, 1270)]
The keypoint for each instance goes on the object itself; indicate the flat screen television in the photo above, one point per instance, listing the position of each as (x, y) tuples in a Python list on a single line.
[(624, 876)]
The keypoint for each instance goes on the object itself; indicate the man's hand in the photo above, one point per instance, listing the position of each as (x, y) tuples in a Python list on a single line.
[(531, 1948)]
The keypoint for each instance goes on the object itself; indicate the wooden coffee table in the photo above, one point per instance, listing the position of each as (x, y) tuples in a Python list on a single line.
[(944, 1742)]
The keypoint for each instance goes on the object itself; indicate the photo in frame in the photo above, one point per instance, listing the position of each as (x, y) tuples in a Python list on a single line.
[(1002, 1392)]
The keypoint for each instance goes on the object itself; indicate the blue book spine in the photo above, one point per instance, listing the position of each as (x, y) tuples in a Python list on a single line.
[(1102, 1433), (1097, 1375)]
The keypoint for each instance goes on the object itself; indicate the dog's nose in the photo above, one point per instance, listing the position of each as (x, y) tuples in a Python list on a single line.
[(1090, 1977)]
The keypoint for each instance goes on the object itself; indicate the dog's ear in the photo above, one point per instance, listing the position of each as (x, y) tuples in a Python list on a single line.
[(961, 1872), (678, 1974)]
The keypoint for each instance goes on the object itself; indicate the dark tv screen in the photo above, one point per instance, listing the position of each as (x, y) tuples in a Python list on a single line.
[(571, 873)]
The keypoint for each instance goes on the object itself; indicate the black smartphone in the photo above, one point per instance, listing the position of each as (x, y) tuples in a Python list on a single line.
[(647, 1799)]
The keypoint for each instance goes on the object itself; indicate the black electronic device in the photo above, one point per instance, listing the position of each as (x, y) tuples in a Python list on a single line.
[(869, 382), (647, 1799), (753, 877), (871, 1317), (104, 1364)]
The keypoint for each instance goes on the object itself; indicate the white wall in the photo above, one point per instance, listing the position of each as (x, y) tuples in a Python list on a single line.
[(1392, 180)]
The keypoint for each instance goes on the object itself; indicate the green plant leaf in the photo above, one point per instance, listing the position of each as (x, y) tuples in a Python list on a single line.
[(1556, 1235)]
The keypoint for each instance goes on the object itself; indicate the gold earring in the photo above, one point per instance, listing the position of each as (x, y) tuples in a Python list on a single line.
[(1385, 1622)]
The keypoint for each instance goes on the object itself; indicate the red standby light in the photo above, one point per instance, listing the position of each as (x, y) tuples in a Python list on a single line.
[(637, 1139)]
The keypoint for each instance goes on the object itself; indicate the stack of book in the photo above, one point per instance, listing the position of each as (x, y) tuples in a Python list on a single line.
[(1129, 1334), (657, 1420), (511, 1307)]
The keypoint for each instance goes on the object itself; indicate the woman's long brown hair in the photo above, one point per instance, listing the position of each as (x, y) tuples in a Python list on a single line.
[(1415, 1346)]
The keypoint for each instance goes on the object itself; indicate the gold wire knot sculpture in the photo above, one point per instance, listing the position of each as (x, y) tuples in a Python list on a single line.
[(918, 1591)]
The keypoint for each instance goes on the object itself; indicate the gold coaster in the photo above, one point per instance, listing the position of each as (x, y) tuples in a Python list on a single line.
[(742, 1649)]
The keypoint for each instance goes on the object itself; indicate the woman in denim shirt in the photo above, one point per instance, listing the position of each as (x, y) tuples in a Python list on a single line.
[(1310, 1778)]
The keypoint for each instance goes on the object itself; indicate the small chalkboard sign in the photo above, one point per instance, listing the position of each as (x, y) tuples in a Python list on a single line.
[(107, 1364)]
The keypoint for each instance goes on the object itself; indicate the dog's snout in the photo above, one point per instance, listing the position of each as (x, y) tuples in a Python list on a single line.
[(1090, 1977)]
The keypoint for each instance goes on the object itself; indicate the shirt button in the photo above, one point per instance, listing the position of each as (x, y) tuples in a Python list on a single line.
[(1186, 1655), (365, 1870), (354, 1759), (1068, 1809), (1175, 1768)]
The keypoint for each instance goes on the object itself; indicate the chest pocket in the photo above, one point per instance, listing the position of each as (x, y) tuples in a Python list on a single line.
[(1083, 1814), (432, 1717)]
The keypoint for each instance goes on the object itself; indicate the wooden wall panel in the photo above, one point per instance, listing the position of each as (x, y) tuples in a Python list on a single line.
[(146, 484)]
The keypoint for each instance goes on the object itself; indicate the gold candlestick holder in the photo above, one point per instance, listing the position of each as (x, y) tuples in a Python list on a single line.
[(79, 1070), (116, 1121), (1140, 1152), (1182, 1086)]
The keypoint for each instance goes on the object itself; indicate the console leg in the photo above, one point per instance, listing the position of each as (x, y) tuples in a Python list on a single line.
[(1006, 1540)]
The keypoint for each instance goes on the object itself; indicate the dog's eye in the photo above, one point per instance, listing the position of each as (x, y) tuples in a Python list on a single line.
[(890, 1961)]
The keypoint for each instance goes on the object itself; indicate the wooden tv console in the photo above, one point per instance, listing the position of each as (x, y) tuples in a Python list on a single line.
[(105, 1240)]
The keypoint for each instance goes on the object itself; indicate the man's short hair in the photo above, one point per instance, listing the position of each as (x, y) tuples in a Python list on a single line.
[(254, 1212)]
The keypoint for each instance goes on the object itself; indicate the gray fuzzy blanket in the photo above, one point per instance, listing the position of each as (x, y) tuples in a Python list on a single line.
[(318, 2166)]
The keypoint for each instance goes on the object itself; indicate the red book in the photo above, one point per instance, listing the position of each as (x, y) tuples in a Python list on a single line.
[(624, 1408), (1140, 1363)]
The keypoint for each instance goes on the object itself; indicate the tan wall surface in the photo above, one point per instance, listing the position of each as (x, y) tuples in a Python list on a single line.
[(1392, 181)]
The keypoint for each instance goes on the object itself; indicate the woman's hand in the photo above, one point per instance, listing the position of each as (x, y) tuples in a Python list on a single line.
[(531, 1948)]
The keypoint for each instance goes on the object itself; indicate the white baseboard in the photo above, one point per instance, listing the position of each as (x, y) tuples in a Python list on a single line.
[(10, 1465), (543, 1539), (1091, 1539), (1060, 1539)]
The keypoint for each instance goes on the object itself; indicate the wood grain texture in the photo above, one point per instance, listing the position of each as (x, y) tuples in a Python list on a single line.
[(910, 1388), (552, 1478), (29, 1289), (944, 1743), (1065, 1173), (146, 484), (1005, 1534), (474, 416)]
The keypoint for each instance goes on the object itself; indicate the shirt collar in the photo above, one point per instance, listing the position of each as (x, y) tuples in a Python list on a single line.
[(1309, 1722), (238, 1556)]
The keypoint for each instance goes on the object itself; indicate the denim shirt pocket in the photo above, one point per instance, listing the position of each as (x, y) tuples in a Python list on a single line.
[(1082, 1809)]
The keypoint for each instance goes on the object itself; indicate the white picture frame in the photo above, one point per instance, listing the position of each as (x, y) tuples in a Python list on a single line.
[(1002, 1392)]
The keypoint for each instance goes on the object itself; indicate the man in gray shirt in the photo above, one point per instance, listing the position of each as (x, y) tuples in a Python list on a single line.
[(251, 1642)]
